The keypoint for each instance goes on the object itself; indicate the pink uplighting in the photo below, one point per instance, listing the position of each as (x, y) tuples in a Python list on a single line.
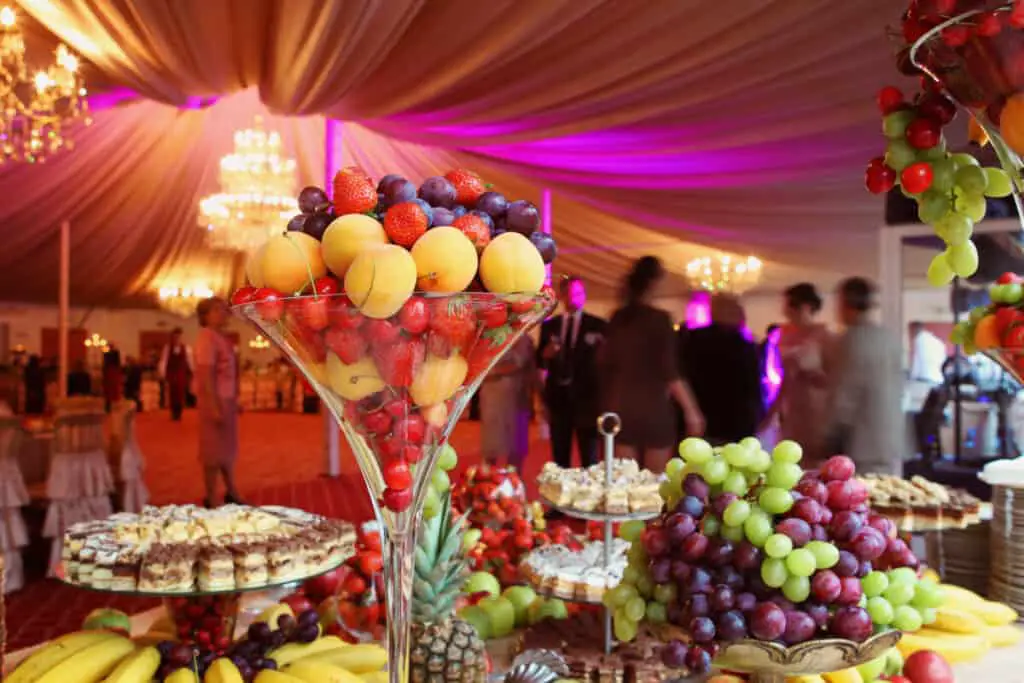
[(698, 310)]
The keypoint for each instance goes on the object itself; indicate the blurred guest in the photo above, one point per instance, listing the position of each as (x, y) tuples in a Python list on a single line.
[(568, 353), (133, 382), (505, 406), (112, 376), (175, 369), (682, 337), (865, 421), (79, 380), (927, 355), (217, 376), (641, 373), (804, 344), (723, 370), (34, 378)]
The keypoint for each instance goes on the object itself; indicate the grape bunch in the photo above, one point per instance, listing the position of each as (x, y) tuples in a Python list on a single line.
[(752, 546), (950, 189), (440, 483)]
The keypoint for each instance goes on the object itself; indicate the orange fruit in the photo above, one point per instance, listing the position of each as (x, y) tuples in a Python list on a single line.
[(1011, 123), (986, 333)]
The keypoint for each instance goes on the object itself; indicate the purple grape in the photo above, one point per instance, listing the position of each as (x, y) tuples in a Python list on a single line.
[(722, 599), (546, 245), (698, 660), (845, 525), (729, 576), (698, 606), (847, 564), (238, 660), (675, 613), (313, 200), (307, 633), (442, 216), (693, 547), (868, 544), (310, 616), (459, 210), (819, 533), (259, 632), (387, 180), (694, 485), (800, 627), (702, 630), (673, 655), (680, 571), (492, 203), (247, 649), (863, 569), (297, 222), (286, 623), (267, 663), (691, 505), (745, 602), (400, 190), (826, 586), (700, 581), (482, 215), (817, 612), (522, 217), (661, 570), (826, 516), (246, 672), (784, 604), (655, 541), (317, 224), (722, 501), (852, 623), (746, 555), (798, 530), (767, 621), (758, 587), (719, 552), (438, 191), (806, 509), (732, 626), (679, 526)]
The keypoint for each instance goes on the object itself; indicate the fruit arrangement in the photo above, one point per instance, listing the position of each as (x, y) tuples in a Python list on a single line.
[(997, 325), (359, 604), (752, 546), (396, 298), (490, 496), (495, 613), (499, 551)]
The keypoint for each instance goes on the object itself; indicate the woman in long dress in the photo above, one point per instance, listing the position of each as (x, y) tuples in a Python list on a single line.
[(805, 344), (217, 377), (506, 398)]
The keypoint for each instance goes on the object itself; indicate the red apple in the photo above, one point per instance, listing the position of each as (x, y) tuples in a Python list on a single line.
[(298, 603), (326, 585), (927, 666)]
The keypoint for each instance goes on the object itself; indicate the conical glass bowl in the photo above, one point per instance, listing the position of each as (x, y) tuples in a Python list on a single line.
[(397, 387)]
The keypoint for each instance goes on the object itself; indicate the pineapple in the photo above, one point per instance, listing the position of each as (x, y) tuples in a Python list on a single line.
[(443, 647)]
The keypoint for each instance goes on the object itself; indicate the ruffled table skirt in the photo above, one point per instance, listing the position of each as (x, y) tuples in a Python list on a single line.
[(78, 488), (13, 534)]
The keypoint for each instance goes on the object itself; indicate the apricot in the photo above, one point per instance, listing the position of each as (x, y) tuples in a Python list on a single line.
[(380, 280), (446, 260), (511, 264), (290, 262), (986, 333), (346, 237)]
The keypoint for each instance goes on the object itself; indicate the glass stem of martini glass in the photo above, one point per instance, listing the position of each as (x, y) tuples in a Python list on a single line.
[(399, 549)]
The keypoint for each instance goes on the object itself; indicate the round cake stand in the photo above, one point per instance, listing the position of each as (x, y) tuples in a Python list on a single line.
[(208, 618)]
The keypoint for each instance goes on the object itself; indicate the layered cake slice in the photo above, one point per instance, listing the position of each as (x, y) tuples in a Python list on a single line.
[(102, 576), (216, 568), (153, 572), (126, 568), (250, 563), (281, 555)]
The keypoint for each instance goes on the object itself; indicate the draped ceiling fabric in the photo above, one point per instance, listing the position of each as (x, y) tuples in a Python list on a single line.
[(661, 125)]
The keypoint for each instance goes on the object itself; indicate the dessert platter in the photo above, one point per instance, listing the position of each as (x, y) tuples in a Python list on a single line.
[(577, 575), (596, 493), (918, 504)]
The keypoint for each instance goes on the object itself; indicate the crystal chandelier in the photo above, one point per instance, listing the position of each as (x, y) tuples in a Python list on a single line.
[(182, 301), (257, 198), (35, 110), (724, 273)]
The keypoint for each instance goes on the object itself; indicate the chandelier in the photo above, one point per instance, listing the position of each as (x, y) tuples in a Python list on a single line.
[(257, 196), (259, 342), (95, 341), (35, 109), (182, 301), (723, 273)]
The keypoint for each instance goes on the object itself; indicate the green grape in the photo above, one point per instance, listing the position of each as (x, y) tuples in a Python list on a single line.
[(825, 554), (899, 593), (736, 513), (894, 125), (797, 588), (999, 184), (959, 333), (751, 443), (644, 586), (631, 530), (774, 500), (736, 483), (431, 503), (696, 451), (711, 525), (757, 528), (972, 206), (933, 206), (939, 271), (800, 562), (440, 481), (902, 575), (787, 451), (759, 463), (784, 475), (669, 488), (624, 630), (731, 533), (736, 455), (943, 175), (906, 618), (631, 574), (880, 611), (933, 153), (963, 258), (874, 584), (637, 555), (973, 318), (674, 468), (752, 477), (635, 609), (971, 179), (665, 593), (656, 612), (955, 228), (962, 159), (778, 546), (928, 616), (715, 471), (773, 572), (621, 594), (447, 459), (608, 599), (899, 154), (927, 594)]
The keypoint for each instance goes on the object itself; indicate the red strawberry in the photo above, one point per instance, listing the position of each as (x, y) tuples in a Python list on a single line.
[(397, 362), (454, 320), (1005, 316), (483, 352), (468, 186), (1014, 337), (369, 562), (243, 295), (1007, 279), (357, 171), (353, 193), (348, 345), (381, 332), (475, 229), (438, 345), (493, 314), (405, 223), (343, 314)]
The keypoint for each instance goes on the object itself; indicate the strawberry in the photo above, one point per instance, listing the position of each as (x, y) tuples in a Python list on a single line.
[(369, 562), (343, 314), (439, 346), (1006, 316), (483, 352), (1014, 337), (1008, 279), (493, 314), (405, 223), (454, 320), (357, 171), (468, 186), (397, 362), (475, 229), (348, 345), (353, 193), (380, 332)]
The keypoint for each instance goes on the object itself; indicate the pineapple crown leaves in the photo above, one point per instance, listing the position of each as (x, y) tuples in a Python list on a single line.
[(440, 565)]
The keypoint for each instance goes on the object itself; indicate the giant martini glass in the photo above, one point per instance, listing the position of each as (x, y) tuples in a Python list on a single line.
[(397, 386)]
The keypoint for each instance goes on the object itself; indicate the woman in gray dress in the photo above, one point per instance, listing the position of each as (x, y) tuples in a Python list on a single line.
[(506, 398)]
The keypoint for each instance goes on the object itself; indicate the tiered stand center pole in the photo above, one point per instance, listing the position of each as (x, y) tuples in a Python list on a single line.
[(608, 425)]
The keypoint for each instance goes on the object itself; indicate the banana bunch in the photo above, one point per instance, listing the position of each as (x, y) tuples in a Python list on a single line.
[(967, 625), (86, 657)]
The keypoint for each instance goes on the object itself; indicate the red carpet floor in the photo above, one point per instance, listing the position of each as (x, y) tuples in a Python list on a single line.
[(281, 462)]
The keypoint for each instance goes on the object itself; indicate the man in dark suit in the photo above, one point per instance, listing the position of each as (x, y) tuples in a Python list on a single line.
[(567, 351)]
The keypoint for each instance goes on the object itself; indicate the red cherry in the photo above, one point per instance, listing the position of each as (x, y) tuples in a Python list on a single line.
[(398, 408), (397, 475), (314, 313), (414, 316), (913, 30), (879, 179), (243, 295), (377, 422), (382, 331), (923, 133), (917, 177), (343, 314), (988, 25), (1017, 16), (412, 452), (956, 35), (412, 428), (269, 304), (937, 107), (326, 285), (391, 446), (396, 500), (889, 98)]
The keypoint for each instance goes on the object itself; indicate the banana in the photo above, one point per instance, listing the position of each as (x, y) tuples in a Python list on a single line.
[(138, 667), (359, 659), (955, 648), (271, 614), (271, 676), (957, 621), (789, 679), (55, 652), (931, 575), (991, 612), (320, 672), (182, 676), (223, 670), (382, 677), (850, 675), (91, 664), (288, 653), (153, 638), (1002, 636)]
